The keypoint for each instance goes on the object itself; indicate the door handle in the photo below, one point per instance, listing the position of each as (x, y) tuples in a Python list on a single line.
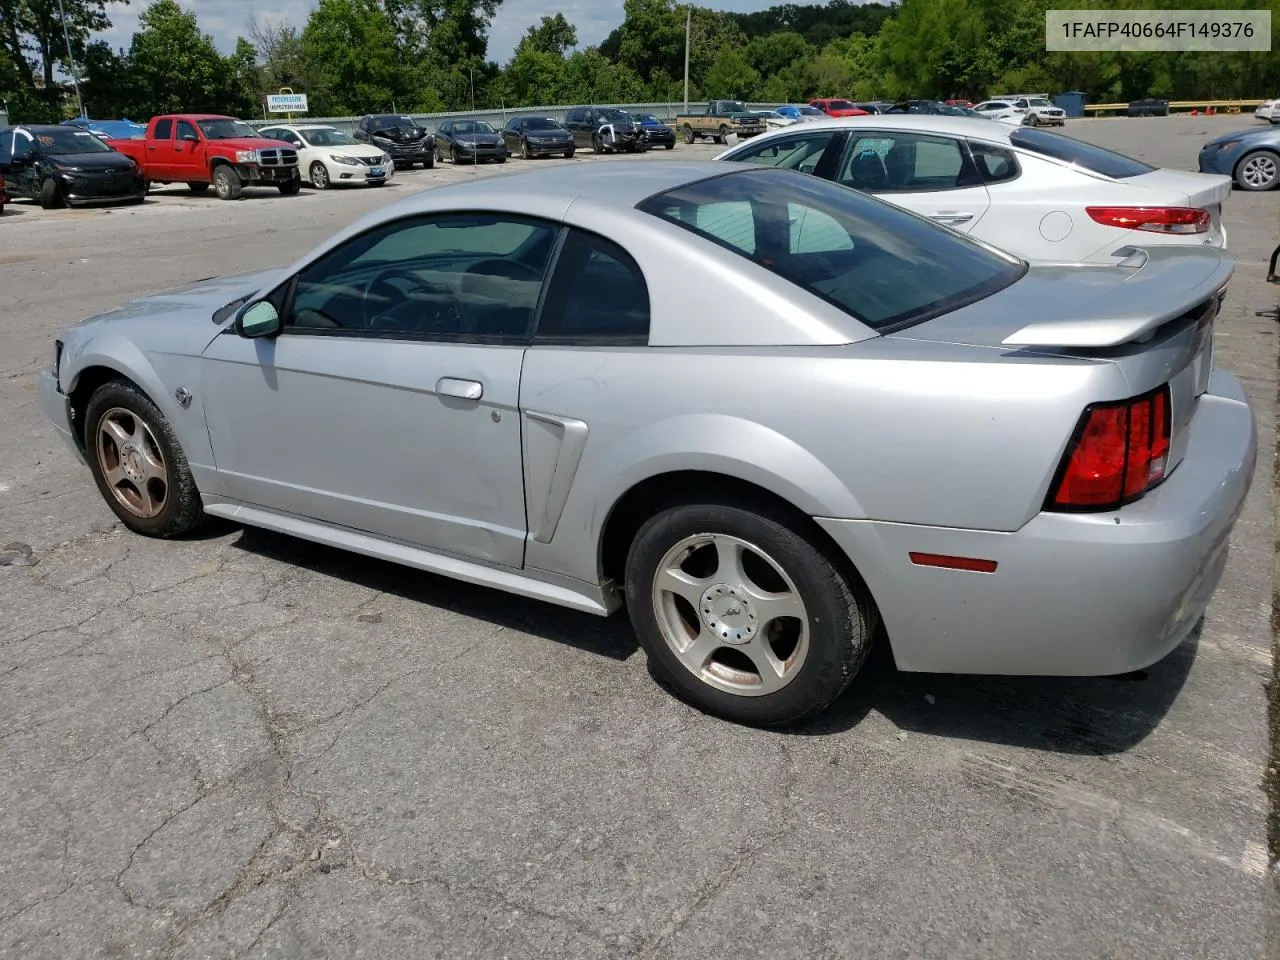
[(950, 217), (462, 389)]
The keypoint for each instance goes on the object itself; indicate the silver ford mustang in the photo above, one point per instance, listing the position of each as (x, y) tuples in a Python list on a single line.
[(771, 416)]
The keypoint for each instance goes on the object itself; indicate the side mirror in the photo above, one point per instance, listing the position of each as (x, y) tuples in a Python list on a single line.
[(259, 319), (190, 138)]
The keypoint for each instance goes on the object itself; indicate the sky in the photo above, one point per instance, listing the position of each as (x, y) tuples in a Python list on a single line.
[(227, 19)]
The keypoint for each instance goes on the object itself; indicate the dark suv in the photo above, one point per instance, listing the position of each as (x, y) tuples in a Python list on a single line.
[(404, 140), (605, 128)]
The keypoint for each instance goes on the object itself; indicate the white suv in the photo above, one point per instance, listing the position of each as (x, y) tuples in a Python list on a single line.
[(1037, 109)]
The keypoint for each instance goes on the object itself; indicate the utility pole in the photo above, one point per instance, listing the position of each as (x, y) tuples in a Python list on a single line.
[(75, 71), (688, 24)]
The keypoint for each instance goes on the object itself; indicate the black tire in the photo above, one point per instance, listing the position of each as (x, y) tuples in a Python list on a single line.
[(51, 195), (1267, 165), (568, 154), (524, 150), (319, 174), (596, 145), (724, 134), (429, 163), (453, 156), (502, 159), (226, 183), (198, 187), (1033, 120), (688, 134), (842, 619), (671, 145), (377, 183), (290, 187), (183, 510)]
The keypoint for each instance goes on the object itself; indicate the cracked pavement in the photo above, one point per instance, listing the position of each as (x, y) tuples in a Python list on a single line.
[(242, 745)]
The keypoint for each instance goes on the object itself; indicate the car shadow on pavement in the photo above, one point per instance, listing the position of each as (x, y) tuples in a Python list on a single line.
[(1077, 715), (611, 637)]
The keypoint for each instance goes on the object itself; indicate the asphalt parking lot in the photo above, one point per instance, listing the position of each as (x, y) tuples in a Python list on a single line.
[(245, 745)]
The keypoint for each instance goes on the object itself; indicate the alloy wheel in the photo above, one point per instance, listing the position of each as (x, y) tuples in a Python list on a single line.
[(1258, 171), (731, 614), (132, 463)]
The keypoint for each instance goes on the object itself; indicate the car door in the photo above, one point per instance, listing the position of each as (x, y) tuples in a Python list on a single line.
[(159, 150), (24, 177), (188, 152), (930, 174), (579, 123), (511, 133), (389, 403), (363, 128)]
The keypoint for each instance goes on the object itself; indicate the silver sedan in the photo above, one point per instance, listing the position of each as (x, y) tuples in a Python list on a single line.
[(772, 417)]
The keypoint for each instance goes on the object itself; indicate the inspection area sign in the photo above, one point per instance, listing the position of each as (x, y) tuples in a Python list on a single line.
[(1157, 30), (287, 103)]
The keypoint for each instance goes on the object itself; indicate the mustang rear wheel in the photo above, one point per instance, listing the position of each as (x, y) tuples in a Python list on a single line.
[(137, 463), (742, 615)]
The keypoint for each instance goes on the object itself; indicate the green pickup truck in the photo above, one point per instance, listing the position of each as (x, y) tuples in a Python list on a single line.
[(721, 118)]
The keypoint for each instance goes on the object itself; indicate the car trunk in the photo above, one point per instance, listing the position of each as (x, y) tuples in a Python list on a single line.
[(1204, 191), (1152, 314)]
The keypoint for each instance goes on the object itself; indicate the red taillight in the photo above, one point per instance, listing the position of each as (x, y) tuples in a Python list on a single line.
[(1153, 219), (1119, 451)]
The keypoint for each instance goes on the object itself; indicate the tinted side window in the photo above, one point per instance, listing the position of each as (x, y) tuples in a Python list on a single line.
[(799, 152), (1077, 153), (905, 162), (995, 164), (453, 277), (597, 293), (186, 130), (6, 153), (164, 129)]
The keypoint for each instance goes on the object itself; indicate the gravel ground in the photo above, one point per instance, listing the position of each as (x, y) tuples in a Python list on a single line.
[(245, 745)]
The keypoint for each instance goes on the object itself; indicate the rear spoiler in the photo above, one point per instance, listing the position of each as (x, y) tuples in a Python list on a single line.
[(1139, 306)]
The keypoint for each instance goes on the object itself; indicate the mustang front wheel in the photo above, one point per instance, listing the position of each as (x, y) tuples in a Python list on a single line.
[(742, 615), (137, 463)]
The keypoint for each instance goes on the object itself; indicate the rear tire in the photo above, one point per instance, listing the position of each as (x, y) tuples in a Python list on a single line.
[(819, 636), (51, 195), (226, 183), (724, 134), (175, 505), (688, 134), (1258, 170), (198, 187)]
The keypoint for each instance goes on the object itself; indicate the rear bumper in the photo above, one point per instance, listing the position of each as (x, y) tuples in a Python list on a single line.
[(56, 406), (1073, 594)]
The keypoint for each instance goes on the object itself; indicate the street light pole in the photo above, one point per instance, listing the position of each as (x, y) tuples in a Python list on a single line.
[(688, 23), (75, 71)]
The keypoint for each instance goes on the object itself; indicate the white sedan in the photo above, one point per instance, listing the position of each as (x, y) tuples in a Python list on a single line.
[(1041, 196), (1003, 110), (327, 156), (1268, 110)]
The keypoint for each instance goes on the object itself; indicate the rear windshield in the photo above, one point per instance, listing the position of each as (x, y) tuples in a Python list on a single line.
[(883, 266), (1078, 153)]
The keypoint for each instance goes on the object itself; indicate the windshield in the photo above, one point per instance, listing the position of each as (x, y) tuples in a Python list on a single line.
[(58, 142), (327, 138), (733, 106), (647, 118), (1040, 102), (540, 123), (883, 266), (809, 111), (616, 116), (1079, 154), (226, 129), (841, 105), (392, 123), (472, 126)]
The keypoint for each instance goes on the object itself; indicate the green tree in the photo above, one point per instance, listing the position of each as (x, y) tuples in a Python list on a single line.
[(771, 53), (554, 35), (349, 52), (279, 53), (731, 76), (36, 27), (175, 67)]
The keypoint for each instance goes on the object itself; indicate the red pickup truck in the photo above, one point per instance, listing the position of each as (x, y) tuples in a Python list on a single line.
[(201, 149)]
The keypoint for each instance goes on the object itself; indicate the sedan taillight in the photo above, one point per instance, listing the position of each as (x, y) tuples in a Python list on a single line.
[(1118, 452), (1153, 219)]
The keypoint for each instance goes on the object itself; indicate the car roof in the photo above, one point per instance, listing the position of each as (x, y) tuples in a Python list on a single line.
[(297, 126), (977, 128)]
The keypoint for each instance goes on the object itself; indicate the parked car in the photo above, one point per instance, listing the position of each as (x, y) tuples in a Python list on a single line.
[(399, 136), (469, 141), (800, 111), (876, 106), (1012, 469), (655, 132), (537, 136), (1268, 110), (1250, 157), (773, 120), (200, 149), (62, 166), (964, 104), (109, 129), (605, 129), (1037, 194), (1148, 107), (1002, 110), (331, 157), (1037, 109), (835, 107), (720, 120)]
